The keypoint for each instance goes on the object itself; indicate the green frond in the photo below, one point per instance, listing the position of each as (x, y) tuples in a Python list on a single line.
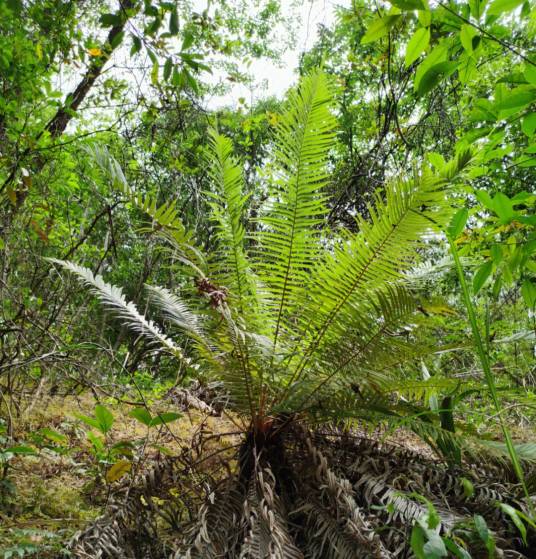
[(113, 298), (230, 265), (370, 261), (288, 239)]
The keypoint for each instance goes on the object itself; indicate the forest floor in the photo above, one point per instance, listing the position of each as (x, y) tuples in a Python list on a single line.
[(63, 486)]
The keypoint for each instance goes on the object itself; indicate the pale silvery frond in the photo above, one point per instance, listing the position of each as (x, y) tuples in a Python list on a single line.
[(113, 297)]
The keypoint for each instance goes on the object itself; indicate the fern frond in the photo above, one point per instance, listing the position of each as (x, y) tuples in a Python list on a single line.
[(288, 240), (230, 264), (114, 299), (368, 262)]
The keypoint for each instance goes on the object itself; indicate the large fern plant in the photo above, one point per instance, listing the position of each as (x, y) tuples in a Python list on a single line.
[(300, 324)]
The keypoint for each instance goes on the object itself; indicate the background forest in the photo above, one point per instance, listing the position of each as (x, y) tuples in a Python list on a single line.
[(324, 339)]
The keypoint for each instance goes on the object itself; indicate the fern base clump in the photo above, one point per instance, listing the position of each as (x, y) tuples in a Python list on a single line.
[(296, 493)]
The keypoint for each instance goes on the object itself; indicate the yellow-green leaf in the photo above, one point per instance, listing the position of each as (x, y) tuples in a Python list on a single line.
[(379, 28), (417, 44), (118, 470)]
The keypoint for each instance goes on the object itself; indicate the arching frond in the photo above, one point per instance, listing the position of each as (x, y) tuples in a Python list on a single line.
[(114, 299), (288, 240), (368, 262), (230, 264)]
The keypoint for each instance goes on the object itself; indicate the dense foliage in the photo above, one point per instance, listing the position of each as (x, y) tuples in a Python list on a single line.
[(357, 256)]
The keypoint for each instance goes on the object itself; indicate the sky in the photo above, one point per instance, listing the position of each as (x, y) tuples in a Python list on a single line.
[(272, 79)]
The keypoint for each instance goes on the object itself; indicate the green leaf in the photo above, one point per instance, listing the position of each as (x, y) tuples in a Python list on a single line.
[(109, 20), (503, 207), (528, 291), (458, 550), (496, 254), (379, 28), (513, 514), (408, 5), (435, 75), (168, 67), (174, 21), (116, 41), (417, 542), (164, 418), (457, 224), (436, 159), (136, 45), (142, 415), (529, 124), (497, 7), (434, 548), (482, 274), (187, 41), (468, 488), (104, 417), (467, 34), (53, 436), (21, 450), (417, 44), (484, 533), (91, 421), (516, 98), (97, 442), (530, 74)]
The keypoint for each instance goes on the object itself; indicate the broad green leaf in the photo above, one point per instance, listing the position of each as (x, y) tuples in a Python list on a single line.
[(529, 124), (484, 533), (436, 159), (53, 435), (109, 20), (467, 70), (142, 415), (417, 44), (516, 98), (97, 442), (467, 34), (435, 75), (434, 548), (168, 67), (503, 207), (468, 487), (136, 45), (174, 21), (530, 74), (482, 274), (20, 449), (379, 28), (496, 254), (417, 542), (513, 514), (476, 7), (118, 470), (408, 5), (528, 291), (457, 224), (104, 417), (497, 7), (424, 17), (91, 421), (164, 418), (458, 550), (485, 199)]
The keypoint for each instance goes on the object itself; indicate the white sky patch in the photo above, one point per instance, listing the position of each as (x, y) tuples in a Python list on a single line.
[(274, 79)]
